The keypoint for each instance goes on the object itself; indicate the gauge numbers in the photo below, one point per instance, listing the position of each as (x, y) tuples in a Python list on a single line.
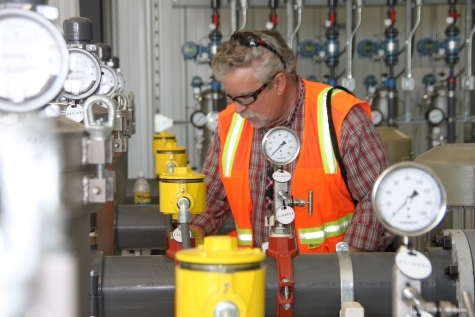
[(280, 145), (409, 199)]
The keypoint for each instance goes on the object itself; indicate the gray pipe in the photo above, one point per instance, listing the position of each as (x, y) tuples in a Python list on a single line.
[(143, 286), (468, 55)]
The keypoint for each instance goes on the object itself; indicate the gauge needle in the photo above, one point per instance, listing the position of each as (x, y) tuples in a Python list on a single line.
[(406, 202), (280, 146)]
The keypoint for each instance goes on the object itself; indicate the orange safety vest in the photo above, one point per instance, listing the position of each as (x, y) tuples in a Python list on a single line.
[(316, 170)]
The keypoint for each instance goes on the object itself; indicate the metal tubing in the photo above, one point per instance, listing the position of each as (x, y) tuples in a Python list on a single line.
[(143, 286), (468, 54), (349, 25)]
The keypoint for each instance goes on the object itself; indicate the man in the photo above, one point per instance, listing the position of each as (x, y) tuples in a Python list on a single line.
[(258, 73)]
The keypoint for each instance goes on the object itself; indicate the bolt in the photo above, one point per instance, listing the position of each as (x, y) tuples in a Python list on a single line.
[(96, 190), (452, 271), (116, 145), (447, 243), (287, 306)]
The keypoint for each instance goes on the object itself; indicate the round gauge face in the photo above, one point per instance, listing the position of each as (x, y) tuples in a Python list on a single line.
[(409, 199), (198, 119), (109, 81), (212, 120), (280, 145), (85, 75), (377, 116), (33, 60), (435, 116), (120, 82)]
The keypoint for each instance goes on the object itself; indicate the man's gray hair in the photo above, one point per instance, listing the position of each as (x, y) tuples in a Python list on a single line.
[(231, 55)]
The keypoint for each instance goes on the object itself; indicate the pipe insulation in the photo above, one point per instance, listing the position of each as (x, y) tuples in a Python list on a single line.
[(142, 286)]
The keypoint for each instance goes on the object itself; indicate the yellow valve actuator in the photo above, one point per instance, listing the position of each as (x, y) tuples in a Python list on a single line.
[(182, 183), (169, 156), (160, 139), (220, 279)]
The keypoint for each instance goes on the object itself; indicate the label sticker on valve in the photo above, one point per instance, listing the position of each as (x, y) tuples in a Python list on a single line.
[(177, 235), (413, 264), (75, 113), (285, 215), (282, 176)]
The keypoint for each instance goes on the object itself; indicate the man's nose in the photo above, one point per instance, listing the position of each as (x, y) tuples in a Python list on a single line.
[(239, 108)]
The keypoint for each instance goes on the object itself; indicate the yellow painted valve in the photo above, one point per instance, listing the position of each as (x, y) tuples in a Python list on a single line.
[(182, 183), (168, 156), (160, 139), (220, 279)]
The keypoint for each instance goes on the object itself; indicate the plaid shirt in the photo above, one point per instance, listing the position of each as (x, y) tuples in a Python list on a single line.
[(364, 157)]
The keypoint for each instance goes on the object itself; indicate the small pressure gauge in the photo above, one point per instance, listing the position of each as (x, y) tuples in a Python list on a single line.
[(33, 60), (85, 75), (109, 81), (409, 199), (281, 145), (212, 120), (435, 116), (120, 81), (377, 116), (198, 119)]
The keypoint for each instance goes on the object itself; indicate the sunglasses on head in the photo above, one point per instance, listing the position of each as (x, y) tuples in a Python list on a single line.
[(249, 39)]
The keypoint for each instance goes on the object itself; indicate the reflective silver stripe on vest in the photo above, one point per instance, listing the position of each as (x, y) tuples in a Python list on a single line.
[(231, 144), (322, 232)]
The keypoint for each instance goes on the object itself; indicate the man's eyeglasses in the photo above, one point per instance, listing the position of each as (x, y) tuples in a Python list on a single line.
[(247, 99), (251, 40)]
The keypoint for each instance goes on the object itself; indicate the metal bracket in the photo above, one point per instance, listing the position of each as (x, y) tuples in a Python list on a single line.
[(346, 272), (95, 190), (468, 83), (121, 145), (349, 83), (408, 84)]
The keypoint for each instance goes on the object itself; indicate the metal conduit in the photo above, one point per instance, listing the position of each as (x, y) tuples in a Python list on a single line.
[(144, 286)]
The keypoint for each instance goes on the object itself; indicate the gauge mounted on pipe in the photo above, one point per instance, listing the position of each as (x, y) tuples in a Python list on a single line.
[(435, 116), (409, 199), (281, 145), (212, 120), (377, 117), (85, 75), (34, 60), (198, 119)]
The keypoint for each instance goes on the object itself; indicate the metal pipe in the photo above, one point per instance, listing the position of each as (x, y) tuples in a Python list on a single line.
[(141, 286), (349, 25), (468, 54), (233, 9), (299, 22), (244, 14)]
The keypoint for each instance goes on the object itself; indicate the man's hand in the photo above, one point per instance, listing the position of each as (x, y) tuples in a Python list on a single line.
[(353, 249), (198, 233)]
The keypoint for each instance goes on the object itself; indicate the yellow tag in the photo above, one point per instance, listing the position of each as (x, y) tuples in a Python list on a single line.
[(142, 198), (197, 236)]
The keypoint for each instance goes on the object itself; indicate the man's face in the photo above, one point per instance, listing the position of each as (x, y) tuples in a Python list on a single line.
[(241, 86)]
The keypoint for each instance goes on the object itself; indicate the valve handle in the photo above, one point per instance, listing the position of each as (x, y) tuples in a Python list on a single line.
[(99, 130)]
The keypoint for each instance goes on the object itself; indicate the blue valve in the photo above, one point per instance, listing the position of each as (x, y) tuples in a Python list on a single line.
[(367, 48)]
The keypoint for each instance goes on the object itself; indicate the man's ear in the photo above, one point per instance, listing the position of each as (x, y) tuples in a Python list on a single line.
[(280, 83)]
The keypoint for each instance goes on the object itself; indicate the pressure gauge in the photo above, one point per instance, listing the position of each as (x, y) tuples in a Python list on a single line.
[(120, 81), (109, 81), (281, 145), (198, 119), (409, 199), (33, 60), (435, 116), (212, 120), (377, 116), (85, 75)]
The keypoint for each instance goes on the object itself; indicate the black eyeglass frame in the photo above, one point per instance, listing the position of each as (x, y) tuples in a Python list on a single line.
[(252, 94), (250, 39)]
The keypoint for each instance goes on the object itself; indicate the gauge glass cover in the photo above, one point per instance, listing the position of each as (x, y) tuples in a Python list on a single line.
[(84, 77), (281, 145), (377, 117), (212, 120), (409, 199), (435, 116), (33, 60), (198, 119), (109, 81)]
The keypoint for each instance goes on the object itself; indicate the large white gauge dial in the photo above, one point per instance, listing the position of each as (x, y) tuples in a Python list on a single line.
[(109, 81), (409, 199), (85, 75), (33, 60), (281, 145)]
